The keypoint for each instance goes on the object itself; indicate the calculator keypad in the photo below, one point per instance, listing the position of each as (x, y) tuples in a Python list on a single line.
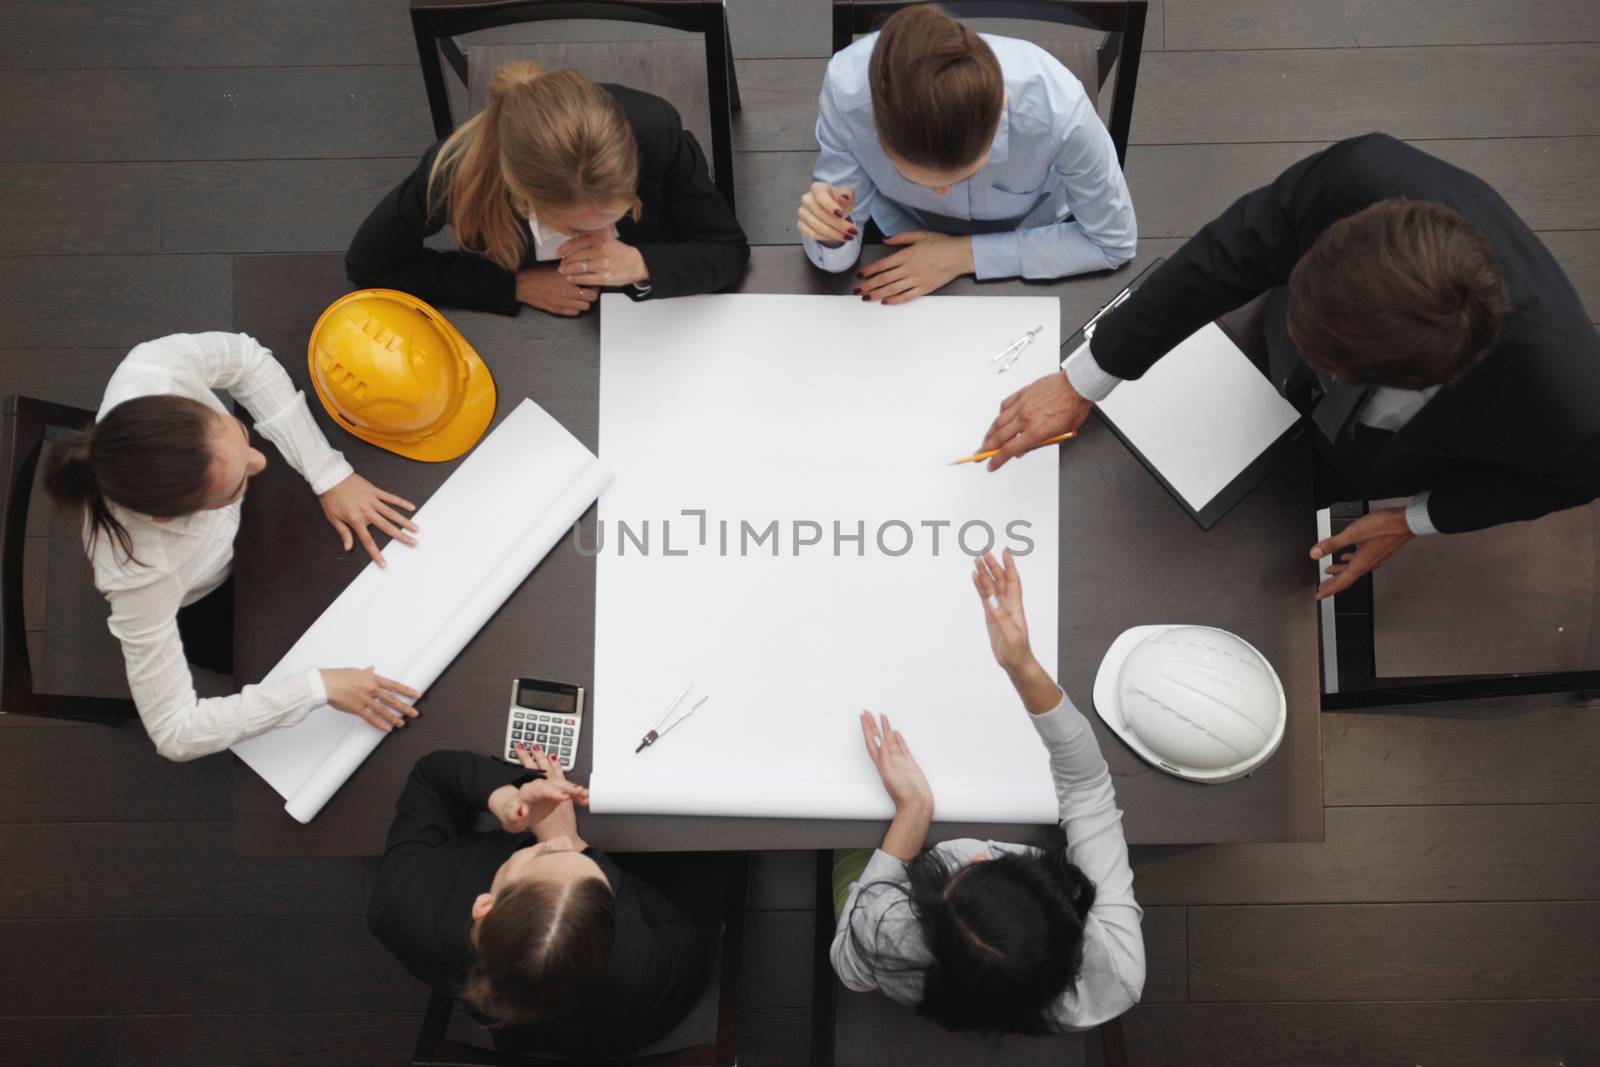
[(556, 735)]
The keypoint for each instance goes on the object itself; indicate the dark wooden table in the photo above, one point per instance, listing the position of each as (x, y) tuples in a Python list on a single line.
[(1130, 555)]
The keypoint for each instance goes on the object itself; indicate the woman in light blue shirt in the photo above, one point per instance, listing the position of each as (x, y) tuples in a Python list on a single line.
[(995, 164)]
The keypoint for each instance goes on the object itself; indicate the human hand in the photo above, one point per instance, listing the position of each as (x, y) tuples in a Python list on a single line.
[(355, 503), (825, 213), (1376, 537), (902, 778), (598, 258), (520, 808), (563, 820), (370, 696), (925, 262), (545, 288), (1032, 415), (1000, 588)]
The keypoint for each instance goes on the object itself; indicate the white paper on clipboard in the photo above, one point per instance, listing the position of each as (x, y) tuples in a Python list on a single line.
[(1200, 416)]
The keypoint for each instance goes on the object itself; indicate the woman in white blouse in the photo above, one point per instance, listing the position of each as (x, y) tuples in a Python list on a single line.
[(991, 937), (160, 479)]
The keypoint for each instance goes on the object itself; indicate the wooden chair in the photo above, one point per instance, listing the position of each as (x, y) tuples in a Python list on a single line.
[(661, 66), (851, 1029), (1122, 22), (705, 1037), (28, 424), (1513, 610)]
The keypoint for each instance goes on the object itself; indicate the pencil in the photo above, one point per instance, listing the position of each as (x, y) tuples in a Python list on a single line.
[(981, 456)]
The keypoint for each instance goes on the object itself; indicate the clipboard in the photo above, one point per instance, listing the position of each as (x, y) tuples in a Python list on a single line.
[(1169, 418)]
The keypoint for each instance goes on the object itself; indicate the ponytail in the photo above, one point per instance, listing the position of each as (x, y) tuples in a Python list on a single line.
[(151, 454), (551, 140)]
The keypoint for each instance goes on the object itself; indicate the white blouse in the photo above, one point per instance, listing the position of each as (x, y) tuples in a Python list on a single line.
[(183, 559)]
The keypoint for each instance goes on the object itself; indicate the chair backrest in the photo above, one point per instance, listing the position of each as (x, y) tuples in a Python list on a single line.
[(1512, 610), (1122, 22), (706, 104), (27, 423), (712, 890)]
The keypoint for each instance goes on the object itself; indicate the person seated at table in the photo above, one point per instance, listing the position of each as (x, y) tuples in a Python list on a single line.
[(1437, 346), (557, 189), (160, 479), (546, 940), (983, 936), (975, 154)]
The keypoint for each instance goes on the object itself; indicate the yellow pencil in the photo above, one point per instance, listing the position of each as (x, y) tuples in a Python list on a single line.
[(979, 457)]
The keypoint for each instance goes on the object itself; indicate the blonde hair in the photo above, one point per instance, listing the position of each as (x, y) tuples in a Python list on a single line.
[(546, 140)]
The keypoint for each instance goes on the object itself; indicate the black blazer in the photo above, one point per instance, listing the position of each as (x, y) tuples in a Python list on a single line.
[(1516, 438), (434, 864), (686, 232)]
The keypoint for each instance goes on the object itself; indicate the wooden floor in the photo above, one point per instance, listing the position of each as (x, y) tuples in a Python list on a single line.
[(1452, 916)]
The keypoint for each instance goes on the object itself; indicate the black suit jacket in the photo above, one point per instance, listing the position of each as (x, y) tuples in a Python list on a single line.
[(687, 233), (1516, 438), (434, 864)]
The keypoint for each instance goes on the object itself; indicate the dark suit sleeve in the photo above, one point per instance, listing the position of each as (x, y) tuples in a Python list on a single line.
[(1250, 248), (1480, 499), (443, 798), (710, 248), (388, 253), (679, 945)]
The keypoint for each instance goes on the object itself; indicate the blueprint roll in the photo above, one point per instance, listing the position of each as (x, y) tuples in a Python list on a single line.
[(411, 619)]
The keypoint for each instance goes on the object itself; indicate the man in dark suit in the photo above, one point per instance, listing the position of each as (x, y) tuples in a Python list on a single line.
[(1430, 337)]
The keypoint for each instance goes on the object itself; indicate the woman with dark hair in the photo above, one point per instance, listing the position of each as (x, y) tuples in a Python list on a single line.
[(545, 939), (991, 937), (160, 480)]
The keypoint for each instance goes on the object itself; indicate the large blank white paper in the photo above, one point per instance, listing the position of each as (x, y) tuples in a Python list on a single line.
[(1201, 415), (477, 541), (808, 411)]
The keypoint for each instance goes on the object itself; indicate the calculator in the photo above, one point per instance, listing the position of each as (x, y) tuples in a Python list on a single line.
[(546, 714)]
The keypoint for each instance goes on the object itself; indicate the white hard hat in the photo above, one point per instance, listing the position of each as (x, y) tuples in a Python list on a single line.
[(1195, 701)]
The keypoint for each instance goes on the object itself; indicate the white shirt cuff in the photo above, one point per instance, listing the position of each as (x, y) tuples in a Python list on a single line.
[(319, 691), (1091, 381), (1417, 515), (833, 260)]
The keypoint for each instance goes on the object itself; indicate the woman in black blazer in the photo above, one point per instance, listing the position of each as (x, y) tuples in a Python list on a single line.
[(547, 940), (557, 189)]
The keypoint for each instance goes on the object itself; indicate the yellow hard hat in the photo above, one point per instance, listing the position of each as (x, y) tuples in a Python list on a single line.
[(392, 371)]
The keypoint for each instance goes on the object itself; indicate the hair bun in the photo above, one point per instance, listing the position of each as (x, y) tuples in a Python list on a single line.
[(69, 475), (511, 76)]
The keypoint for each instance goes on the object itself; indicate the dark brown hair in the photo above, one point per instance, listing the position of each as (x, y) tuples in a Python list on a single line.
[(1403, 293), (151, 454), (936, 87), (541, 948)]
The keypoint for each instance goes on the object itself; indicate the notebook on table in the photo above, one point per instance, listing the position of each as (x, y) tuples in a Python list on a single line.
[(1203, 420)]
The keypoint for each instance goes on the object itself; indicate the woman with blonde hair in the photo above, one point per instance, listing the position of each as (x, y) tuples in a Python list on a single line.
[(557, 189)]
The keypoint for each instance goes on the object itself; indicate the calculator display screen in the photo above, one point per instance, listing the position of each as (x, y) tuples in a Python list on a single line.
[(544, 700)]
